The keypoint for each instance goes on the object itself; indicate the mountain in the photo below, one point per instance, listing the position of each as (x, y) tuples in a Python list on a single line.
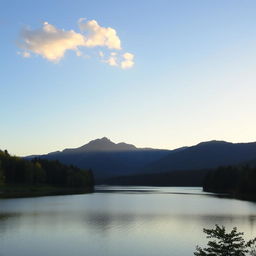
[(205, 155), (121, 163), (108, 159), (189, 166), (102, 145)]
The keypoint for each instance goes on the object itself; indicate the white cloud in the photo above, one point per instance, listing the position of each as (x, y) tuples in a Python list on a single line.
[(99, 36), (112, 61), (128, 61), (79, 53), (123, 61), (25, 54), (52, 43), (128, 56)]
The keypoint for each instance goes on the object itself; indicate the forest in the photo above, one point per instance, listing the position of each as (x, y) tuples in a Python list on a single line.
[(238, 181), (37, 172)]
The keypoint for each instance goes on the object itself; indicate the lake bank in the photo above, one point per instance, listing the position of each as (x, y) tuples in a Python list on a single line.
[(19, 191), (23, 191), (232, 195)]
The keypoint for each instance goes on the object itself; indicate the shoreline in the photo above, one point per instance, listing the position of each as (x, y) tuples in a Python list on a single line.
[(233, 195), (22, 191)]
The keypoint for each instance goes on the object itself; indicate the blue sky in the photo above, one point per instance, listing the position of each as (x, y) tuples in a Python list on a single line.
[(193, 76)]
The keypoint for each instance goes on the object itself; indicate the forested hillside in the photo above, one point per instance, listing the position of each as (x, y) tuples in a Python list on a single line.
[(17, 171), (235, 180), (121, 163), (205, 155)]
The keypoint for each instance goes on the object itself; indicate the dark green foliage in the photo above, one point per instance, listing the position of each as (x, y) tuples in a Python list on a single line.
[(226, 244), (1, 174), (172, 178), (236, 180), (15, 170), (67, 175)]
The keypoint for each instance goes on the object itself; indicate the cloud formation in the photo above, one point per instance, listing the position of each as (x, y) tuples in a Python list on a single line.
[(124, 61), (99, 36), (112, 60), (52, 43), (128, 61)]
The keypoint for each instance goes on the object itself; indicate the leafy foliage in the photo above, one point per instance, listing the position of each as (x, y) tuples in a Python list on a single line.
[(226, 244)]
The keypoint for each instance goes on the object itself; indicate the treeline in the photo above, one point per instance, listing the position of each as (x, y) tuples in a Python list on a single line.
[(234, 180), (190, 178), (15, 170)]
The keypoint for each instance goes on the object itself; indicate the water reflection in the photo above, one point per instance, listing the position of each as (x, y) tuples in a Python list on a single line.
[(146, 221)]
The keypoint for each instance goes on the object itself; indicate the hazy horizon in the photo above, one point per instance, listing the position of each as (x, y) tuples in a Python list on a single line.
[(139, 147)]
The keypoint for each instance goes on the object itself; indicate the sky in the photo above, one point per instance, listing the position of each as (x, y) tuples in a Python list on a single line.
[(153, 73)]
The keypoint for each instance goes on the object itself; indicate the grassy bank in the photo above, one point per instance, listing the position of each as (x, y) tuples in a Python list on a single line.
[(15, 191)]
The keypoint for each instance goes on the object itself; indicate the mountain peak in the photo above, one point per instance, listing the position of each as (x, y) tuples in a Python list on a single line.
[(103, 145), (104, 140), (213, 142)]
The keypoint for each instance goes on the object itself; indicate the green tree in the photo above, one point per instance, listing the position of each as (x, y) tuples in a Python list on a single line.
[(39, 173), (1, 174), (226, 244)]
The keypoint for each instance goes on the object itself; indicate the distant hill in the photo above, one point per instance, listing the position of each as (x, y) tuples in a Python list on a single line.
[(251, 163), (124, 163), (189, 178), (108, 159), (190, 166), (205, 155)]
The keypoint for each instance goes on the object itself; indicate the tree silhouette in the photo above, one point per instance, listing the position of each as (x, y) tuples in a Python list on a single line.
[(15, 170), (1, 174), (226, 244)]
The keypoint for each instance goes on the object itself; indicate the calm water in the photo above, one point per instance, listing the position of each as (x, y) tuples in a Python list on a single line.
[(118, 221)]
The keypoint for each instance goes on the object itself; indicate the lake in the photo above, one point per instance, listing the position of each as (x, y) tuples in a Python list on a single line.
[(118, 221)]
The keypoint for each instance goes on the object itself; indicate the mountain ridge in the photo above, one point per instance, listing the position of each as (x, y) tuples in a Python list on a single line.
[(108, 159), (103, 144), (209, 154)]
